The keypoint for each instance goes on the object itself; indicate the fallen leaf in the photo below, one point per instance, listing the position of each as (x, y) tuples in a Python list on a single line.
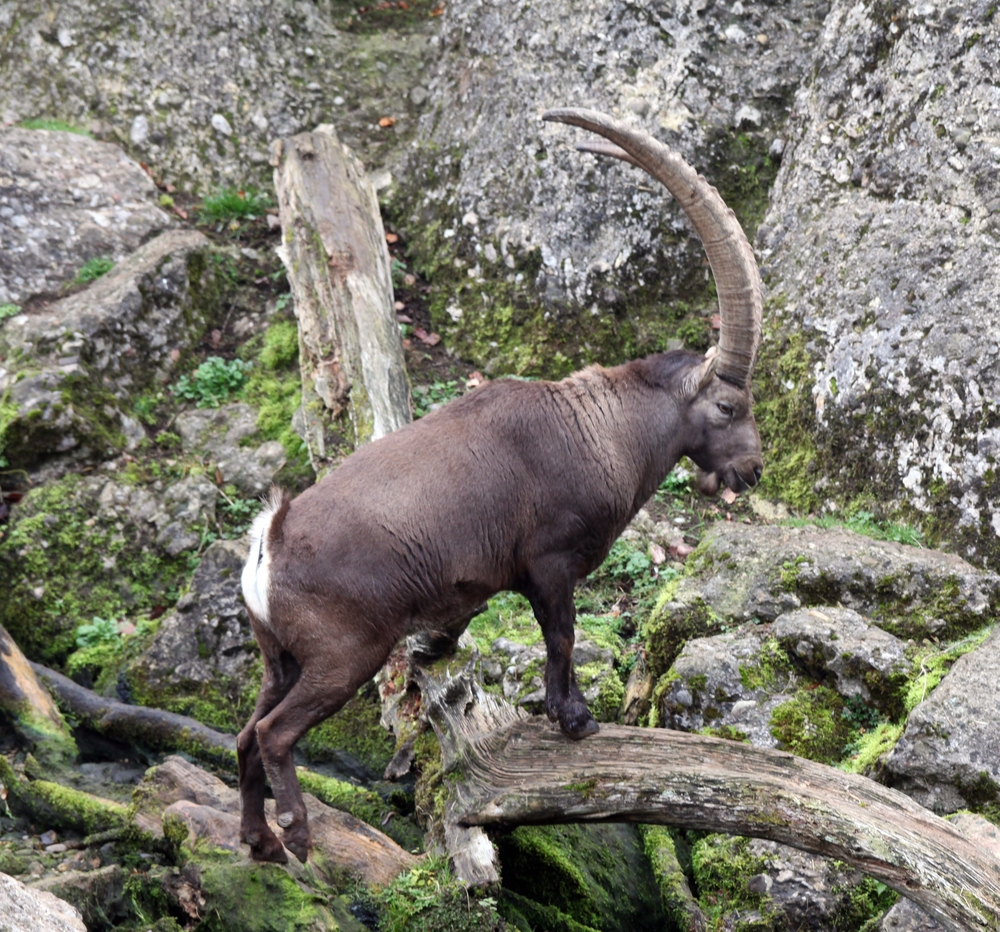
[(218, 476), (216, 338), (409, 279), (474, 380), (728, 496), (716, 322), (404, 319), (430, 339), (175, 355), (407, 343), (437, 11), (657, 554), (180, 211), (125, 627), (389, 237), (169, 188), (399, 305), (386, 122)]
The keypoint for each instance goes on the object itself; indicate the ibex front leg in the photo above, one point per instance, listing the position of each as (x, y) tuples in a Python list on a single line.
[(550, 592)]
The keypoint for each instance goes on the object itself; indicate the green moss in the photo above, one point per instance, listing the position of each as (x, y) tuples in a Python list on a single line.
[(507, 615), (356, 729), (871, 746), (594, 875), (671, 625), (257, 898), (59, 806), (362, 804), (982, 795), (862, 905), (812, 724), (661, 847), (57, 126), (722, 866), (785, 415), (54, 562), (769, 670), (428, 899), (930, 666)]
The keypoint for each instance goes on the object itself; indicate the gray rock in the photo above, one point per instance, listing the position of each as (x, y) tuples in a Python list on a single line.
[(236, 77), (949, 755), (69, 365), (66, 199), (520, 670), (906, 916), (26, 910), (861, 660), (894, 278), (220, 432), (187, 508), (97, 894), (732, 682), (208, 638), (743, 572)]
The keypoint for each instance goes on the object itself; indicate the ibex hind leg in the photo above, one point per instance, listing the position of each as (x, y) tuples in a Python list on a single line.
[(328, 680), (279, 677)]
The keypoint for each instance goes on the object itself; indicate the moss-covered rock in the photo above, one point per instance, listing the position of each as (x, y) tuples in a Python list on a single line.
[(594, 876), (79, 548)]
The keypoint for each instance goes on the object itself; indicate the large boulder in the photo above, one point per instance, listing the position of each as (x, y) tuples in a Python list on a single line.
[(881, 253), (743, 572), (949, 755), (66, 199), (544, 257), (27, 910), (197, 91), (68, 369)]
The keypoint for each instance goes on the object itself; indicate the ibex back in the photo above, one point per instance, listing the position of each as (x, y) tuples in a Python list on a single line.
[(518, 485)]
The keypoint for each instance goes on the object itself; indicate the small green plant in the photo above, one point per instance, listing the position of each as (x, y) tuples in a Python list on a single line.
[(9, 310), (97, 631), (678, 482), (398, 273), (213, 382), (57, 126), (428, 397), (93, 270), (865, 522), (233, 204)]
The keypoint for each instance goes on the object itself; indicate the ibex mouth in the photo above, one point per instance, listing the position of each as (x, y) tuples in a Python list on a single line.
[(709, 483)]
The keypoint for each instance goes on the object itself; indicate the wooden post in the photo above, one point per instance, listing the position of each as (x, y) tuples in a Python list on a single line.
[(508, 769), (354, 385)]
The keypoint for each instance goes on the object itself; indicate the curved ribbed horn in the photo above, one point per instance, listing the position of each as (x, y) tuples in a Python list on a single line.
[(733, 265)]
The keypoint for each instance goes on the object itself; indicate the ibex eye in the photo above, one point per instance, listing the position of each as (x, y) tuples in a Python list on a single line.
[(726, 409)]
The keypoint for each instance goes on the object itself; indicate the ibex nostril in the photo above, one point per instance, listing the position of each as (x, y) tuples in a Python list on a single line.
[(757, 473)]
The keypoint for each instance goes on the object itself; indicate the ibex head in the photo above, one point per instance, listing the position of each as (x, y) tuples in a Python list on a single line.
[(716, 403)]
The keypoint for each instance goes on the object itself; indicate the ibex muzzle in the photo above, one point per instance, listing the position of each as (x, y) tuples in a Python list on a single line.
[(521, 486)]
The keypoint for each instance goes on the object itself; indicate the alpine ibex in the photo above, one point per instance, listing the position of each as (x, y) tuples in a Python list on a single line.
[(517, 485)]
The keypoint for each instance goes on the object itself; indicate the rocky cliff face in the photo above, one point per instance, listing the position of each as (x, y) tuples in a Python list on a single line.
[(881, 247)]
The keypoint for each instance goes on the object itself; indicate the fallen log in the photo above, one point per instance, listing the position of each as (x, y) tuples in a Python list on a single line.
[(136, 724), (334, 250), (30, 709), (508, 769)]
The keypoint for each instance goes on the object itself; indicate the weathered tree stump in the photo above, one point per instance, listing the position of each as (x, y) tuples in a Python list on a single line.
[(333, 246), (510, 769), (30, 709)]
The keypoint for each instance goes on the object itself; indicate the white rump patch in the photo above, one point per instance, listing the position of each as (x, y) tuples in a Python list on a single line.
[(257, 572)]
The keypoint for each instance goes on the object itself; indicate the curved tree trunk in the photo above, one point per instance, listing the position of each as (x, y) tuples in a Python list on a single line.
[(333, 247), (510, 769)]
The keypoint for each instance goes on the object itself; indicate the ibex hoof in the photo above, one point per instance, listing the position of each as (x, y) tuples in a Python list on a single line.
[(286, 819), (269, 849)]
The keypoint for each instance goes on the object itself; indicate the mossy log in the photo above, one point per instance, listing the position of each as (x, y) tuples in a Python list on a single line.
[(137, 724), (30, 709), (334, 250), (510, 769)]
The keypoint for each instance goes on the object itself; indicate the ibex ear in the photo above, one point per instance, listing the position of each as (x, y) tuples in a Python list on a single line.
[(700, 376)]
